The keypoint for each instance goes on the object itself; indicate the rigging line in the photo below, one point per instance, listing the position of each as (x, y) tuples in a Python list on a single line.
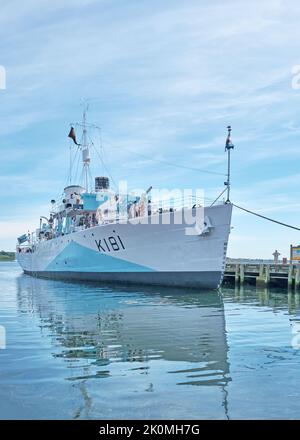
[(266, 218), (225, 189), (91, 178), (82, 177), (72, 164), (74, 158), (102, 150), (99, 142), (104, 166), (66, 180), (201, 170), (77, 168)]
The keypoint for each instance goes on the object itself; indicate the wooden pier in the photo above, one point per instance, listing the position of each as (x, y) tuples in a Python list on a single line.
[(263, 274)]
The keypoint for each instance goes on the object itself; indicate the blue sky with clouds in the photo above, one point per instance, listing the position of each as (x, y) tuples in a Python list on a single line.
[(164, 79)]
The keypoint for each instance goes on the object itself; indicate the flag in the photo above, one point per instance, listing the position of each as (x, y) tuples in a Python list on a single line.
[(22, 238), (228, 142), (72, 135)]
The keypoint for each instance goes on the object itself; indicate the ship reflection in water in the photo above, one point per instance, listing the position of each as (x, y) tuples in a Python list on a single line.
[(133, 352), (84, 351)]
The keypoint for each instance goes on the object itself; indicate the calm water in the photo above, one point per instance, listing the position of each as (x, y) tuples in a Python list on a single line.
[(84, 351)]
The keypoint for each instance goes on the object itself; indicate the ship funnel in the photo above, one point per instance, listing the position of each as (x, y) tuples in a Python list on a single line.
[(101, 183)]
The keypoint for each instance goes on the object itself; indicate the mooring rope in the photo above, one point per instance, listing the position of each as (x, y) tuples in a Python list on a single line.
[(165, 162), (266, 218)]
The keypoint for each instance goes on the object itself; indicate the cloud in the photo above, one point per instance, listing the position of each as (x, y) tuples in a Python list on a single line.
[(165, 79)]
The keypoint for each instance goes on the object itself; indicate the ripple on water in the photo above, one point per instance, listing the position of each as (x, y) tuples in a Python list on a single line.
[(142, 352)]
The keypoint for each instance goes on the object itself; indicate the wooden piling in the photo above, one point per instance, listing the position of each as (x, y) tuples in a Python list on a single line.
[(261, 270), (242, 273), (267, 274), (237, 273), (297, 277), (290, 276), (260, 280)]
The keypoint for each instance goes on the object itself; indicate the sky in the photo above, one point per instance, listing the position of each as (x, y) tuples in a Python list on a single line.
[(163, 81)]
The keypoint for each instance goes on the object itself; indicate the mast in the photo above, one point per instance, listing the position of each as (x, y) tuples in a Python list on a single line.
[(228, 146), (70, 164), (86, 159)]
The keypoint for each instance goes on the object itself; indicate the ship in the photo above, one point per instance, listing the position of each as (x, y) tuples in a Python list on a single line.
[(94, 233)]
